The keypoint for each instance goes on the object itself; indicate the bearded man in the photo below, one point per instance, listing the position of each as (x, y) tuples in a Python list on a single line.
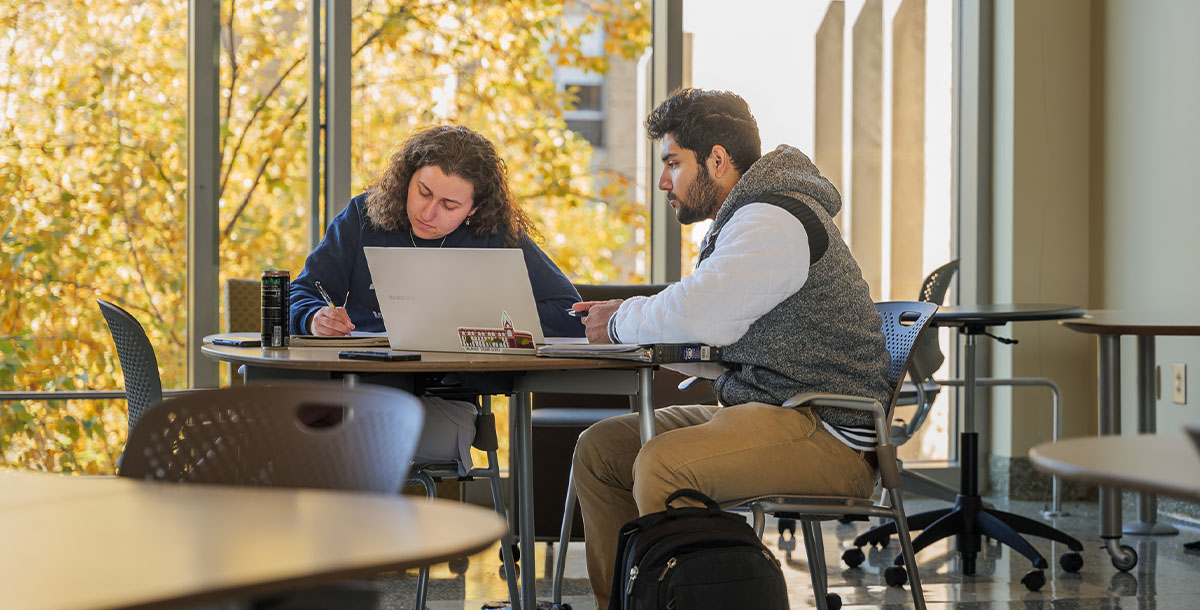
[(776, 287)]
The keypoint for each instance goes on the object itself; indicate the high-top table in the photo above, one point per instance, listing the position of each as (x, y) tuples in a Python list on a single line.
[(515, 375), (968, 519), (1109, 326), (136, 543)]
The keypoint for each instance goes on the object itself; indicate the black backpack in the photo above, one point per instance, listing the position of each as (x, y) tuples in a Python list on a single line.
[(694, 559)]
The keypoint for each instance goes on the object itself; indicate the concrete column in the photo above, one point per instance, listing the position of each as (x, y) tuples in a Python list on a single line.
[(827, 111), (866, 144), (908, 149)]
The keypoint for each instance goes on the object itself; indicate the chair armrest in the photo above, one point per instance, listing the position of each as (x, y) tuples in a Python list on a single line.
[(843, 401)]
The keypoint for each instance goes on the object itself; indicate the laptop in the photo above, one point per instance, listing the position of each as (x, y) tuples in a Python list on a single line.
[(456, 299)]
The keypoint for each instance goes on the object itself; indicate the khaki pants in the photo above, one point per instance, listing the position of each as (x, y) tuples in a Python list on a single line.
[(729, 453)]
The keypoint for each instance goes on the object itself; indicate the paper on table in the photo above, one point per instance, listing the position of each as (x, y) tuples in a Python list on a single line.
[(355, 339)]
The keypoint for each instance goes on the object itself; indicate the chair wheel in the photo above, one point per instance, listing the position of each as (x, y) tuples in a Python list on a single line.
[(787, 525), (833, 601), (1126, 560), (1034, 580), (854, 557), (562, 606), (1071, 562), (459, 565), (845, 519), (895, 576)]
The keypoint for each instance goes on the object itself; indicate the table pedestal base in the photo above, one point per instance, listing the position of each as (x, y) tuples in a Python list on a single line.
[(969, 520)]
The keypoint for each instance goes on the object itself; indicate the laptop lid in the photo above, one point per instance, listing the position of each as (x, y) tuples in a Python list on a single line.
[(455, 299)]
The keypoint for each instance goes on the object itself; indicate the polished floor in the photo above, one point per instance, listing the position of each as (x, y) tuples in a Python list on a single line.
[(1167, 575)]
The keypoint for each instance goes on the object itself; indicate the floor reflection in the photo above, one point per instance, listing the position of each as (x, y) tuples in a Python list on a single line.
[(1167, 575)]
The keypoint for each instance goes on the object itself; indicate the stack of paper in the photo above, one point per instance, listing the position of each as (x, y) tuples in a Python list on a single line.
[(354, 339)]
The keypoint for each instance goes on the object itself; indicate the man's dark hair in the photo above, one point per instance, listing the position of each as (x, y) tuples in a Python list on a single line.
[(699, 119)]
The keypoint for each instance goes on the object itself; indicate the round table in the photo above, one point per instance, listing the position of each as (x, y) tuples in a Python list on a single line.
[(150, 543), (1109, 326)]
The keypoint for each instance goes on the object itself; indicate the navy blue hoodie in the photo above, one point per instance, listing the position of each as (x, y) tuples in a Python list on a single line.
[(341, 265)]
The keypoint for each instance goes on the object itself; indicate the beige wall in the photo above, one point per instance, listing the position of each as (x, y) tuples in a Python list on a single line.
[(1041, 211), (1148, 245), (1097, 202)]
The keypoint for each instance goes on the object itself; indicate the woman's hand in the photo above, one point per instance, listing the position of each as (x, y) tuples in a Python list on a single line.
[(331, 322)]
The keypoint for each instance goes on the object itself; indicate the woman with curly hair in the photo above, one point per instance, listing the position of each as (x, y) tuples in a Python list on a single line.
[(445, 187)]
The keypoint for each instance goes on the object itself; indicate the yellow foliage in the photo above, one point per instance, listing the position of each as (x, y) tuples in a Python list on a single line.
[(93, 143)]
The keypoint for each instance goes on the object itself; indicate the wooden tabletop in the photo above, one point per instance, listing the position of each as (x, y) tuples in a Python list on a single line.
[(1136, 322), (104, 542), (999, 314), (1164, 464), (326, 359)]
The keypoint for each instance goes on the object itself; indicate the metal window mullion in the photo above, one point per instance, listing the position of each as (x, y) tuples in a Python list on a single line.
[(337, 108), (203, 239), (667, 75), (971, 174), (314, 124)]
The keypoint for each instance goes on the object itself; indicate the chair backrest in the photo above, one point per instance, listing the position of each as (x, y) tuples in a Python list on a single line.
[(903, 323), (143, 387), (933, 289), (927, 356), (243, 305), (605, 292), (288, 435)]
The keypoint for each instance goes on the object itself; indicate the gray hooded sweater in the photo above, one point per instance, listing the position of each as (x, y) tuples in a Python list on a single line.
[(825, 337)]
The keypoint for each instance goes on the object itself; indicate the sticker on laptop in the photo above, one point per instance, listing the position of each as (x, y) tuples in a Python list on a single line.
[(495, 339)]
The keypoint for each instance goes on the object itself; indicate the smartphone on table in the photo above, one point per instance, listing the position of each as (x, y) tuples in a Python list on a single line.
[(382, 355), (236, 342)]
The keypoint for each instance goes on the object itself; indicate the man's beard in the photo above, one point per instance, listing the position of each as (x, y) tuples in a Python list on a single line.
[(702, 200)]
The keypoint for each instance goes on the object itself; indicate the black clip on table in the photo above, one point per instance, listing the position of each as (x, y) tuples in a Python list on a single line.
[(969, 519)]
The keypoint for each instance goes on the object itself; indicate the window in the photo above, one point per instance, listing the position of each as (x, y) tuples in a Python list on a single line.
[(863, 88)]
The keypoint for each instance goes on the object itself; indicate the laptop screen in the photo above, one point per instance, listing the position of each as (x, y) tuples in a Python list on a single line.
[(455, 299)]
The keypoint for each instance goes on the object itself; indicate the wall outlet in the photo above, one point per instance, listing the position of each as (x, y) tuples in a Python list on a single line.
[(1179, 383)]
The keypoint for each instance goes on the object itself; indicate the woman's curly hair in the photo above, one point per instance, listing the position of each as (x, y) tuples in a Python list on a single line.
[(457, 151)]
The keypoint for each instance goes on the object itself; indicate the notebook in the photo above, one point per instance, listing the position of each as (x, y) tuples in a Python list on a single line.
[(455, 299), (656, 353)]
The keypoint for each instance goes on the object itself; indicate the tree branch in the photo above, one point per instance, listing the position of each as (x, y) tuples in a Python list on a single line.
[(262, 168)]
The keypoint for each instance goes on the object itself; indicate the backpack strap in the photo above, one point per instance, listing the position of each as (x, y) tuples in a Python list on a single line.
[(713, 507)]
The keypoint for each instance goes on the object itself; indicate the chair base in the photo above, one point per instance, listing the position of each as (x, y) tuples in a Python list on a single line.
[(968, 521)]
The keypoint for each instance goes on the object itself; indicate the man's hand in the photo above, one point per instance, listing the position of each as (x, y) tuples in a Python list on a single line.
[(331, 322), (598, 315)]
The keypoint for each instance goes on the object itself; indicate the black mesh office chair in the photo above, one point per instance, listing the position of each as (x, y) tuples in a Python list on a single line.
[(138, 363), (921, 389), (325, 436)]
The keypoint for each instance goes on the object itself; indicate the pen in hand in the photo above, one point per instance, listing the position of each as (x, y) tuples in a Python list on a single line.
[(576, 313), (325, 295)]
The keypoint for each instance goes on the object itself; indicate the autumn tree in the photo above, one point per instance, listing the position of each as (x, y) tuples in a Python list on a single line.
[(93, 109)]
